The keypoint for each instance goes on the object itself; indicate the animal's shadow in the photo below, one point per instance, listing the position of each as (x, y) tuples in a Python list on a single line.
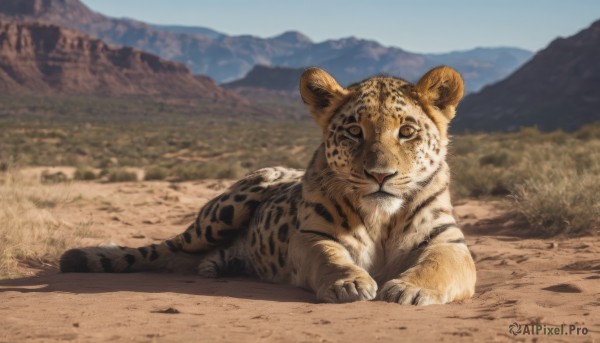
[(507, 227), (90, 283)]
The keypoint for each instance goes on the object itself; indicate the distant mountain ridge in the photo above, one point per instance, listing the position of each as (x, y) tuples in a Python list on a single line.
[(44, 58), (271, 78), (227, 58), (192, 30), (559, 88)]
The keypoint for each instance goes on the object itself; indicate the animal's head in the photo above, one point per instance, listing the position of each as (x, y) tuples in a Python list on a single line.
[(383, 136)]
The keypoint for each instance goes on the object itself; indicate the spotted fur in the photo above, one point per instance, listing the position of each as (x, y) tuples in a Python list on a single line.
[(370, 218)]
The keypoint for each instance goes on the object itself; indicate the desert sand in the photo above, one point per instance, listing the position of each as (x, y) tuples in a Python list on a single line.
[(521, 278)]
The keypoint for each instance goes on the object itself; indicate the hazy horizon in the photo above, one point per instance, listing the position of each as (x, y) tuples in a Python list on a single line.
[(432, 27)]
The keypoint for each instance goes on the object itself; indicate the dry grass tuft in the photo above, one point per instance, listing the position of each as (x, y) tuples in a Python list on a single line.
[(121, 175), (552, 177), (555, 204), (29, 232)]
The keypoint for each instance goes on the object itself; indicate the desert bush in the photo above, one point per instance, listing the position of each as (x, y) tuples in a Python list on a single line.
[(482, 167), (474, 180), (190, 171), (502, 158), (558, 203), (209, 170), (232, 171), (121, 175), (464, 145), (156, 173), (48, 177), (528, 134), (29, 232), (561, 193), (588, 132), (84, 173), (552, 177)]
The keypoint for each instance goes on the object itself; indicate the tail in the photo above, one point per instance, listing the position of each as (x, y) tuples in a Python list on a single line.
[(217, 225), (115, 259)]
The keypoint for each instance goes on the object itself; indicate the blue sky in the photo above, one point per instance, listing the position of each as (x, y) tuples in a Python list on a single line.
[(418, 26)]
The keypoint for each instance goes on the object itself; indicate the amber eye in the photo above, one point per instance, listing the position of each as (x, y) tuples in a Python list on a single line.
[(355, 131), (407, 131)]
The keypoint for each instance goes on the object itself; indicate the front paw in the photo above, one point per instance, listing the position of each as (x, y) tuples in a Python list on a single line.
[(402, 292), (354, 287)]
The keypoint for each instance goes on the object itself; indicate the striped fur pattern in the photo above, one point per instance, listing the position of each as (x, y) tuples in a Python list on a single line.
[(370, 218)]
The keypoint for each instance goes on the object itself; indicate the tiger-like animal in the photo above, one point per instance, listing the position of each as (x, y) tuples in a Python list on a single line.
[(370, 218)]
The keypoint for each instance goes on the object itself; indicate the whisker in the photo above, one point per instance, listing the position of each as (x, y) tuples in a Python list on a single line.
[(401, 184)]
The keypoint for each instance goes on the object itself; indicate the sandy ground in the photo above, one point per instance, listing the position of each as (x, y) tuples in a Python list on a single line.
[(520, 279)]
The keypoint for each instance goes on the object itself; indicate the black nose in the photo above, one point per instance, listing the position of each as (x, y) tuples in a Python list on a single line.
[(381, 178)]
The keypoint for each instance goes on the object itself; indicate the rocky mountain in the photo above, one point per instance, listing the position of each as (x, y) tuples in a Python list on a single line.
[(272, 88), (272, 78), (44, 58), (227, 58), (559, 88), (478, 66), (483, 66)]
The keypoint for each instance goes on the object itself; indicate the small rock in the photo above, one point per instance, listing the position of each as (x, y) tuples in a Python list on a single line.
[(153, 221)]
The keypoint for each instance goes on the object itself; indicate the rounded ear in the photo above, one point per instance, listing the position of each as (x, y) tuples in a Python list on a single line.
[(321, 93), (441, 87)]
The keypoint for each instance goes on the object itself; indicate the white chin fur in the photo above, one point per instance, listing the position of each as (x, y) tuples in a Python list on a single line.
[(380, 206)]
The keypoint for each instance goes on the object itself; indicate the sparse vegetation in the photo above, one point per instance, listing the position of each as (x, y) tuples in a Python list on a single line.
[(29, 232), (102, 134), (121, 175), (557, 203), (552, 177), (156, 173), (56, 177), (84, 173)]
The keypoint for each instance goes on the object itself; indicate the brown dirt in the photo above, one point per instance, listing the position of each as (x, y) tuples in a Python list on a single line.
[(522, 279)]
